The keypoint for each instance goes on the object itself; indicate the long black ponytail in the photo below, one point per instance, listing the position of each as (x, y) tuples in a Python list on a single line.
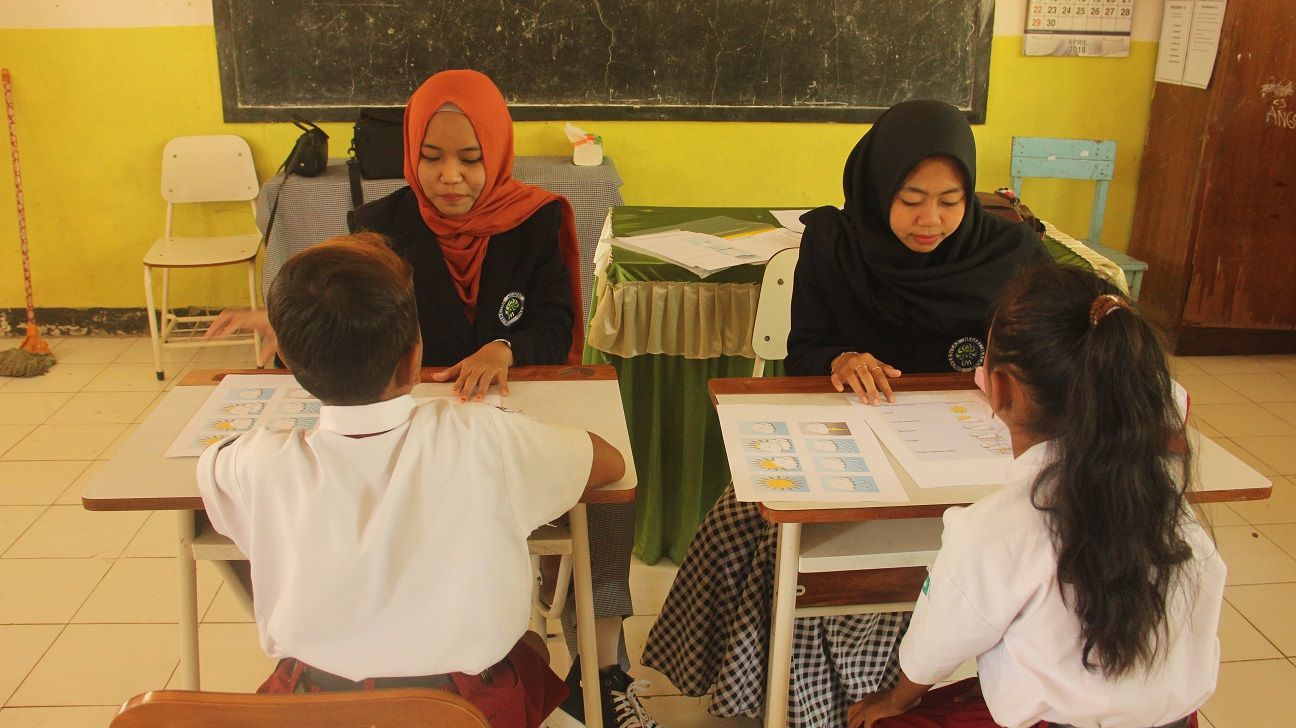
[(1113, 495)]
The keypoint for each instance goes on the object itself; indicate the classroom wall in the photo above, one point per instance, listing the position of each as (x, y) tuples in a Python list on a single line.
[(101, 85)]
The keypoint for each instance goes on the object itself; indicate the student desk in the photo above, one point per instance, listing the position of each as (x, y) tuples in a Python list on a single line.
[(1220, 477), (139, 478), (313, 209), (667, 332)]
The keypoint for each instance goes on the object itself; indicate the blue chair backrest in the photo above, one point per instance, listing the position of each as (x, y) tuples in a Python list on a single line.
[(1067, 159)]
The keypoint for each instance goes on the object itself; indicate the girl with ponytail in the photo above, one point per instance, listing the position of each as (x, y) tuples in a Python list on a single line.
[(1086, 590)]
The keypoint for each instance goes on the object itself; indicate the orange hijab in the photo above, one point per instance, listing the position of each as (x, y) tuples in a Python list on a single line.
[(504, 203)]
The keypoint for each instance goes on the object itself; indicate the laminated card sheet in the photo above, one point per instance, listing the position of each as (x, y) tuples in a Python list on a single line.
[(942, 439), (812, 454), (243, 402)]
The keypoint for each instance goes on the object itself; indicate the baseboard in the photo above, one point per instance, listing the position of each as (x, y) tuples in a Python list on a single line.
[(84, 321), (1192, 341)]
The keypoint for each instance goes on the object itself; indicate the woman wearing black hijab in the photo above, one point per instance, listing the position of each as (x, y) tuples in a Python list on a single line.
[(899, 280)]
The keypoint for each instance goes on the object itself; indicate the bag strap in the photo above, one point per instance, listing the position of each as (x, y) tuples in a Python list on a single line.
[(357, 191)]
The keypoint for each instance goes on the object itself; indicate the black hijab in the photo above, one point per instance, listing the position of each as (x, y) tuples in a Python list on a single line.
[(954, 285)]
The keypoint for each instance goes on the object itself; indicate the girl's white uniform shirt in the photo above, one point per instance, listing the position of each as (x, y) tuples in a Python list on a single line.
[(993, 594), (398, 554)]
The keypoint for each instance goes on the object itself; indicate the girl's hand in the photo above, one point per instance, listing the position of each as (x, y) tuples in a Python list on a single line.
[(871, 709), (865, 375), (234, 320), (474, 375)]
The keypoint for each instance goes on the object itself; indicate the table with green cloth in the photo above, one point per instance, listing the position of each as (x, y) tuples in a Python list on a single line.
[(668, 332)]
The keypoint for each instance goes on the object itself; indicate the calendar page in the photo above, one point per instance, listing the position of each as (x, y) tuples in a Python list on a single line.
[(1078, 27)]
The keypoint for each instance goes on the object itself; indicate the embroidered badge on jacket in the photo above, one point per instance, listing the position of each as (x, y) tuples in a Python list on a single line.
[(966, 354), (511, 308)]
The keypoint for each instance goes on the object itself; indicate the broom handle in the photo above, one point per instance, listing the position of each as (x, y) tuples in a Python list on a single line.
[(22, 213)]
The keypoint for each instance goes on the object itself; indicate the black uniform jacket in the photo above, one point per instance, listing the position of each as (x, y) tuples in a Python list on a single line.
[(524, 294)]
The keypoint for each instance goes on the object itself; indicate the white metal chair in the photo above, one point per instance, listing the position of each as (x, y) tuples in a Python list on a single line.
[(773, 318), (195, 170)]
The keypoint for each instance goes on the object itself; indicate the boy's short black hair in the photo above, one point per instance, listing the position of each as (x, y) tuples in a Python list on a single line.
[(344, 313)]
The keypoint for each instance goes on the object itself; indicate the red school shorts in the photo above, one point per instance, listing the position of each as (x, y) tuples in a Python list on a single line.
[(517, 692)]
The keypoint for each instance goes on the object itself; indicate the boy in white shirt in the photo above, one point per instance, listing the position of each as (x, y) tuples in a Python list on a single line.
[(388, 547)]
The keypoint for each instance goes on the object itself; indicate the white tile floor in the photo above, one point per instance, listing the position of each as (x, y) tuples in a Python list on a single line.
[(87, 605)]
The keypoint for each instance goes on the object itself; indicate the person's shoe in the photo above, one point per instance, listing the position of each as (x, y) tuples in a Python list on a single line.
[(618, 691)]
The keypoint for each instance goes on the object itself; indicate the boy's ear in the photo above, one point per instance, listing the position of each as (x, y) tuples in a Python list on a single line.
[(409, 369)]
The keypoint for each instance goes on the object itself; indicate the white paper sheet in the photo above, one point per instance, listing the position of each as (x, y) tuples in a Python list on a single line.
[(790, 219), (765, 245), (700, 253), (820, 453), (1173, 47), (942, 439), (1203, 42), (243, 402)]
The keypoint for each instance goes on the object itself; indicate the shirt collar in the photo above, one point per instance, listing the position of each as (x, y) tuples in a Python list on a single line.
[(367, 419), (1027, 466)]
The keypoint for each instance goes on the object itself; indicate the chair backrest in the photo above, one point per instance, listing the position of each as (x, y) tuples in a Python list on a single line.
[(402, 708), (774, 310), (215, 168), (1067, 159)]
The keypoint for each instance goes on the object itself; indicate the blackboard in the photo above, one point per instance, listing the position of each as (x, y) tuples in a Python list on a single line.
[(754, 60)]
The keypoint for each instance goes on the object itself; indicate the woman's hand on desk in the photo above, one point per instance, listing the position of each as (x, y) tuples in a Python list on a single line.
[(865, 375), (233, 320), (474, 375)]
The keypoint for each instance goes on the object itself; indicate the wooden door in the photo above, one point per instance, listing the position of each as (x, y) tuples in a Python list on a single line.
[(1243, 267)]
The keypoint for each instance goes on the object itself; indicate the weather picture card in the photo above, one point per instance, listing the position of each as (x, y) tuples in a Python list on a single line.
[(243, 402), (942, 439), (812, 453)]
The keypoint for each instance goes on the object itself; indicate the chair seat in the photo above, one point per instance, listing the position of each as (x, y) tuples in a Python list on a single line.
[(196, 252)]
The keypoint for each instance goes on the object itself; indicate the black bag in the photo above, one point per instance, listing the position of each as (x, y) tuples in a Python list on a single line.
[(309, 155), (377, 148)]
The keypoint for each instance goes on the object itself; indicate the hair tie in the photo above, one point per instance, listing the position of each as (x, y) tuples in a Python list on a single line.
[(1105, 304)]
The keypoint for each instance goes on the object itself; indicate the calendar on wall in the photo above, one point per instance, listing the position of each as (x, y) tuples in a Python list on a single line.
[(1078, 27)]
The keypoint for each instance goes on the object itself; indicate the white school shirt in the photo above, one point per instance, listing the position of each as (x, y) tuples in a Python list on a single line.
[(993, 594), (399, 554)]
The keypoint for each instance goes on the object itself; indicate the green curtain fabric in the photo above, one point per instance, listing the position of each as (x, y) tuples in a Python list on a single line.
[(674, 432)]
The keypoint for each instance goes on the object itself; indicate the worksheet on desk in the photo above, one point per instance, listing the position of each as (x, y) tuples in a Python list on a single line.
[(244, 402), (812, 453), (942, 439)]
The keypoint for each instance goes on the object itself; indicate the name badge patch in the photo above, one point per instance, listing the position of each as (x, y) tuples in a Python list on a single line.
[(510, 309), (966, 354)]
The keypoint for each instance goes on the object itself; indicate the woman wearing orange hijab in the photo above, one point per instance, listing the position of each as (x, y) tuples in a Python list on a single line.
[(495, 260)]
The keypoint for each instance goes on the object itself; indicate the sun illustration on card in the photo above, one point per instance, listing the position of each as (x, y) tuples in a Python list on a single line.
[(776, 463), (207, 441), (232, 424), (783, 483), (771, 444)]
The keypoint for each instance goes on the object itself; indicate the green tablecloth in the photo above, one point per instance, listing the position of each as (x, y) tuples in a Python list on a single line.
[(674, 432)]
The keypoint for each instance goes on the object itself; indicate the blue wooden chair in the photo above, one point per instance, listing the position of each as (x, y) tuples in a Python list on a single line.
[(1077, 159)]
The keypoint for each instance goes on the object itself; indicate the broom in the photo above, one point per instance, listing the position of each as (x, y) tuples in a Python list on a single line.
[(32, 357)]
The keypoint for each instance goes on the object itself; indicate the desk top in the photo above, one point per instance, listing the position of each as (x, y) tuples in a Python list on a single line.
[(1220, 476), (139, 477)]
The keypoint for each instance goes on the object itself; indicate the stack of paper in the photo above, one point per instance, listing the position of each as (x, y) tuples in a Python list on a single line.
[(705, 254)]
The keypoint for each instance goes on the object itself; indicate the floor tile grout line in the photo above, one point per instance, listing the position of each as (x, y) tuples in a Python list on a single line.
[(37, 662), (1254, 626)]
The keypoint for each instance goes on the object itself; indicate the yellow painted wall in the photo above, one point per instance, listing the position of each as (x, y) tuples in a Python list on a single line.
[(95, 107)]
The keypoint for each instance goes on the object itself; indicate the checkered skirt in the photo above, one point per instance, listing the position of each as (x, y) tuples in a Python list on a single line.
[(712, 634)]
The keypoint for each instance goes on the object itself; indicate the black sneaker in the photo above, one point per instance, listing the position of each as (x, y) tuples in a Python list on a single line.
[(621, 705)]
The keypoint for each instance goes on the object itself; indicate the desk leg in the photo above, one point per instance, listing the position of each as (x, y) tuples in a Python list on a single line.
[(187, 580), (778, 676), (586, 638)]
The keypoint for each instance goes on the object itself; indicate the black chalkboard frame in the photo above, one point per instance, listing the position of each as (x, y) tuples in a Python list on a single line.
[(235, 112)]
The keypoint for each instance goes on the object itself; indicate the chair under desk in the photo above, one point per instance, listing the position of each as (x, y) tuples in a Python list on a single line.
[(140, 478), (667, 332), (1220, 477)]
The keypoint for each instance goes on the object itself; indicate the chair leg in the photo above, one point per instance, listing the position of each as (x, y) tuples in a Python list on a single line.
[(252, 297), (153, 324)]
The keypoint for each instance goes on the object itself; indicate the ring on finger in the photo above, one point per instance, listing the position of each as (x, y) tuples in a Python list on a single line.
[(874, 368)]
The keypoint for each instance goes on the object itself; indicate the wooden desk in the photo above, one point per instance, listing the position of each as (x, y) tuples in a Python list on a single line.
[(140, 478), (1220, 477)]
